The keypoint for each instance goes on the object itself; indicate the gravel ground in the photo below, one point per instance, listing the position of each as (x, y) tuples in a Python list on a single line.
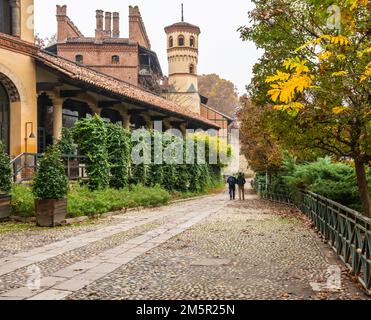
[(252, 250), (18, 278), (24, 240)]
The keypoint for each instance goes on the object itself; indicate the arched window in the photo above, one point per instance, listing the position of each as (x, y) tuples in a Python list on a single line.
[(192, 41), (181, 41), (115, 59), (79, 59), (191, 69), (171, 42), (5, 17)]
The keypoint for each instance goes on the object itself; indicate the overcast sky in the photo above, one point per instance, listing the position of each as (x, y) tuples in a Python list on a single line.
[(221, 49)]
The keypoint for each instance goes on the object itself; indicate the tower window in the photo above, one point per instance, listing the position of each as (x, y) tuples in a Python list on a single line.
[(191, 69), (79, 59), (192, 41), (171, 42), (5, 17), (115, 59), (180, 41)]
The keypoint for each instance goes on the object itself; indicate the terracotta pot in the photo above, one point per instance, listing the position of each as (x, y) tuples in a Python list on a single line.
[(5, 207), (50, 212)]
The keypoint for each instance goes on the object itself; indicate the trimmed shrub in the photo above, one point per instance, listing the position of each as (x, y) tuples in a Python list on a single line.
[(51, 181)]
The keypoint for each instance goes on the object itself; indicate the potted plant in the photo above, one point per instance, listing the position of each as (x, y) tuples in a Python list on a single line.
[(50, 189), (5, 183)]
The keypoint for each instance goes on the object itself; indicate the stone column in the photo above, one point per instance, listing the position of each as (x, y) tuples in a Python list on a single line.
[(95, 109), (126, 121), (167, 124), (149, 123), (16, 17), (183, 128), (57, 119)]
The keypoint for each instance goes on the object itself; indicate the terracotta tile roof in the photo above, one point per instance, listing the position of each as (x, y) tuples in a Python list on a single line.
[(107, 83)]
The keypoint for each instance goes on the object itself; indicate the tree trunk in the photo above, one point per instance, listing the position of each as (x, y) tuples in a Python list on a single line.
[(363, 187)]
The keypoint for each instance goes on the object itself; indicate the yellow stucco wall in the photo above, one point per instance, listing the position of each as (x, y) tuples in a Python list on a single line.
[(20, 69)]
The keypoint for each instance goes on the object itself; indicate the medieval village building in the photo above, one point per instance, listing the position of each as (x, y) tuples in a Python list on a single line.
[(42, 91)]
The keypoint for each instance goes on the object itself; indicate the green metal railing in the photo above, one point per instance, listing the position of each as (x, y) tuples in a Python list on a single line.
[(347, 231)]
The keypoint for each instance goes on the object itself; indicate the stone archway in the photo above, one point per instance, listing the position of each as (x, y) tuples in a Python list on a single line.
[(4, 117), (9, 95)]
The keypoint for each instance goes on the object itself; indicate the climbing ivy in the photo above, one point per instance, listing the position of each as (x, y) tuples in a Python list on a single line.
[(110, 151), (156, 169), (90, 135), (5, 172), (66, 144), (119, 148), (140, 167)]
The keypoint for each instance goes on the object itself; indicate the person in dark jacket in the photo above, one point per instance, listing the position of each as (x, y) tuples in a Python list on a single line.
[(241, 181), (232, 181)]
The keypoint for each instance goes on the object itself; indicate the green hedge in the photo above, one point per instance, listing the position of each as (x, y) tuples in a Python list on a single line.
[(82, 201)]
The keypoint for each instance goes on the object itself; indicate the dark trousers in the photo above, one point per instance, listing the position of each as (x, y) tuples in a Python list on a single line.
[(232, 193)]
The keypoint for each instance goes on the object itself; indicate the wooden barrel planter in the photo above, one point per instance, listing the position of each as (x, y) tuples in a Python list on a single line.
[(5, 206), (50, 212)]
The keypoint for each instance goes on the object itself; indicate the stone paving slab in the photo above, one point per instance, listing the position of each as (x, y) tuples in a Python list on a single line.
[(78, 275), (79, 281), (51, 295), (9, 264)]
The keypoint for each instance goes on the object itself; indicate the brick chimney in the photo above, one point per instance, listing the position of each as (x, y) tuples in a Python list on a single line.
[(137, 30), (116, 25), (62, 23), (108, 22), (66, 28), (99, 29)]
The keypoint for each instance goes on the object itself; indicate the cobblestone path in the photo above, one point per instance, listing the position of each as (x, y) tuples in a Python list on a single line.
[(208, 248)]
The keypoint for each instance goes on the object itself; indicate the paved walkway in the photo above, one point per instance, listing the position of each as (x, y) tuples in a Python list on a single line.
[(208, 248)]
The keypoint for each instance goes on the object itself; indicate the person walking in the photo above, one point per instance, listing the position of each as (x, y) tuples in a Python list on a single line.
[(241, 181), (232, 181)]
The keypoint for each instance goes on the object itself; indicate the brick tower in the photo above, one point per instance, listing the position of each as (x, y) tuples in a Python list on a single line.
[(182, 48)]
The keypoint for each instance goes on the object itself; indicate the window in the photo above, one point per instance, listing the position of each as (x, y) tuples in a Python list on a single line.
[(112, 116), (192, 41), (180, 41), (79, 59), (74, 111), (115, 59), (5, 17), (171, 42), (191, 69)]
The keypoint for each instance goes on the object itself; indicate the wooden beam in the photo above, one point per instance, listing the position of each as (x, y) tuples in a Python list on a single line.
[(107, 104), (136, 111), (70, 93), (159, 118), (47, 86)]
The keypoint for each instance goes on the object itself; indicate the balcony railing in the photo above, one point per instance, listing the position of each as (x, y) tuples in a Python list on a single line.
[(347, 231), (24, 167)]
